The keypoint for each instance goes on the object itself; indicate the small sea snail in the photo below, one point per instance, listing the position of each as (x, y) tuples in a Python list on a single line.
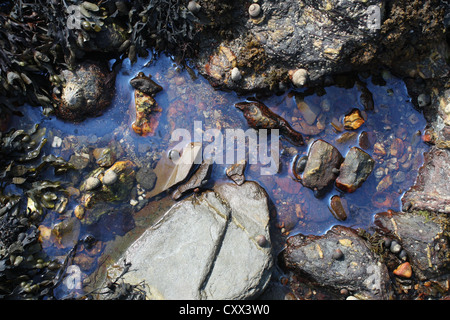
[(254, 10)]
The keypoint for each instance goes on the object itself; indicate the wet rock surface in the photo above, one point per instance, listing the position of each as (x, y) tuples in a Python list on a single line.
[(259, 116), (290, 36), (424, 237), (220, 245), (431, 192), (355, 169), (322, 166), (355, 268)]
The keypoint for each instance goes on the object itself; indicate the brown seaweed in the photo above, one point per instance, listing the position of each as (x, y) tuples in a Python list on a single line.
[(259, 116)]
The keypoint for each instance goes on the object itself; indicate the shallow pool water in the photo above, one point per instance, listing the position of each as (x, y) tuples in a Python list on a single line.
[(189, 102)]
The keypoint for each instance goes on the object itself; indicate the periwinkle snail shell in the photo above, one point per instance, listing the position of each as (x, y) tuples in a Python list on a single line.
[(254, 10)]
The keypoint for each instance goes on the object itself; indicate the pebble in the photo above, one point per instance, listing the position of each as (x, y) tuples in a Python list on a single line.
[(236, 74), (404, 270), (79, 212), (337, 254), (110, 177), (395, 247), (92, 183), (261, 240)]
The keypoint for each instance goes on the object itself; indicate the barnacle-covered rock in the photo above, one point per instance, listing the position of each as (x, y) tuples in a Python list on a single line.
[(87, 92)]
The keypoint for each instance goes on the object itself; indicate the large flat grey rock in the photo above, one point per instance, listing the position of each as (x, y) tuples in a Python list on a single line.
[(205, 247)]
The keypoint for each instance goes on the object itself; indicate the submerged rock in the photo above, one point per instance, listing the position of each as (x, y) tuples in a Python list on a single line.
[(355, 169), (356, 268), (322, 166), (213, 246), (236, 172), (353, 120), (259, 116), (147, 114), (145, 84), (339, 208), (87, 92)]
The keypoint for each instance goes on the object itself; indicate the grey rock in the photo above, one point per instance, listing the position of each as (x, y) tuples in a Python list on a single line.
[(424, 238), (205, 247), (325, 37), (322, 158), (235, 74), (355, 267), (110, 177), (431, 190), (194, 7), (92, 183), (355, 169), (146, 178)]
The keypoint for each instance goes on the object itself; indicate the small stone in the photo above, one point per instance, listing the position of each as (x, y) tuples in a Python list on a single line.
[(299, 77), (322, 158), (110, 177), (397, 148), (355, 169), (403, 255), (134, 202), (236, 74), (309, 112), (384, 184), (395, 247), (194, 7), (423, 100), (146, 177), (337, 254), (353, 120), (404, 270), (92, 183), (79, 212), (254, 10), (339, 208), (379, 173), (261, 240)]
